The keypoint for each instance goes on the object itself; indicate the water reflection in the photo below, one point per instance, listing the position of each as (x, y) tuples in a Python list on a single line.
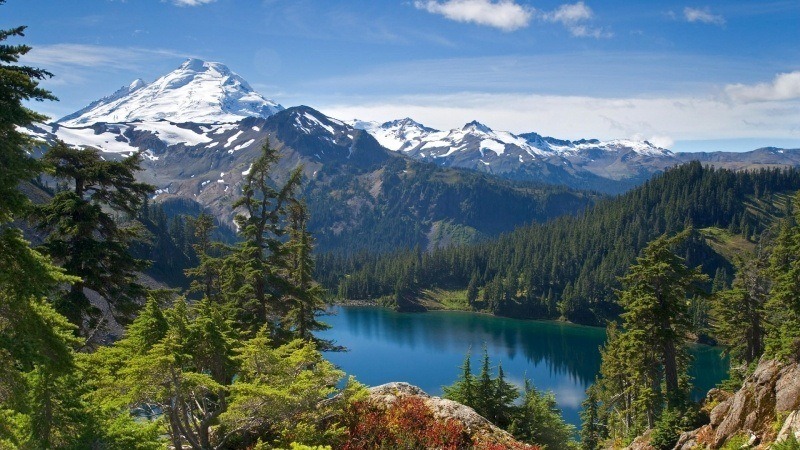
[(426, 350)]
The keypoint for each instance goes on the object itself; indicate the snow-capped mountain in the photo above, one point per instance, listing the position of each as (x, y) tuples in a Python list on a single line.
[(197, 91), (409, 136), (202, 105), (530, 156)]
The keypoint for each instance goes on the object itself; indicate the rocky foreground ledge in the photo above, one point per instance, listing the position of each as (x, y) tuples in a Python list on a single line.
[(479, 428), (765, 410)]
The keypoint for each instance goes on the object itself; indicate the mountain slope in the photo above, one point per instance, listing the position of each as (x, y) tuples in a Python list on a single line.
[(361, 195), (197, 91), (568, 267)]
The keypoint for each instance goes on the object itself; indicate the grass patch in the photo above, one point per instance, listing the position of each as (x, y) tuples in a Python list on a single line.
[(726, 243), (445, 299)]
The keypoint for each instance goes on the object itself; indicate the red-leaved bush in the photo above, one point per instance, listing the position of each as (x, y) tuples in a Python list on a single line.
[(408, 425)]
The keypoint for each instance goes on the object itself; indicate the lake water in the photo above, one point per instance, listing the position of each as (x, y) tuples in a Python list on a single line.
[(426, 350)]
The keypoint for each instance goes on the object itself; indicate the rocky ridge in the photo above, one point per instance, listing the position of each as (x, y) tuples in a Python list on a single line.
[(766, 409)]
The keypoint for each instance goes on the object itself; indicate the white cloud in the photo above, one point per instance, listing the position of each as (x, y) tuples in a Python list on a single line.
[(95, 56), (191, 2), (505, 15), (702, 15), (785, 86), (571, 13), (573, 16)]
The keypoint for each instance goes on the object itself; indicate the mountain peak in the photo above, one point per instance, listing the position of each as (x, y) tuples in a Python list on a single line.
[(197, 91), (137, 84), (477, 126)]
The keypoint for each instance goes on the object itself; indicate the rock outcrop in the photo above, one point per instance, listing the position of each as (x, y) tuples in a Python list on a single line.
[(768, 401), (479, 428)]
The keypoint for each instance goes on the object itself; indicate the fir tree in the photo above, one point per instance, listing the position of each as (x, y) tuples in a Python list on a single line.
[(463, 390), (84, 236), (591, 428), (738, 313), (783, 305), (252, 274), (207, 272), (36, 357), (305, 296), (650, 347)]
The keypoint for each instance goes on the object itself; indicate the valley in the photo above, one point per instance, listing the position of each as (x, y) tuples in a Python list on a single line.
[(187, 263)]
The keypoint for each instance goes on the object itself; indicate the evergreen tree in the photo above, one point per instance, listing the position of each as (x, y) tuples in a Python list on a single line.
[(650, 348), (538, 421), (36, 357), (654, 297), (472, 290), (84, 236), (305, 296), (252, 271), (485, 402), (783, 305), (463, 390), (592, 432), (738, 313), (206, 274), (504, 396)]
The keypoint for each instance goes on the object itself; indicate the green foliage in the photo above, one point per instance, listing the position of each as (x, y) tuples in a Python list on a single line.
[(279, 389), (669, 428), (304, 296), (464, 389), (783, 305), (593, 430), (791, 443), (738, 314), (18, 83), (83, 235), (644, 362), (537, 420), (251, 275)]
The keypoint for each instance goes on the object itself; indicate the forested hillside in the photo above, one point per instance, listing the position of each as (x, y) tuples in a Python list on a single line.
[(568, 267)]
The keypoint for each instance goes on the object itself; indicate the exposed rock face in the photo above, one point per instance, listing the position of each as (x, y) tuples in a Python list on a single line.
[(477, 426), (641, 443), (790, 426), (771, 393)]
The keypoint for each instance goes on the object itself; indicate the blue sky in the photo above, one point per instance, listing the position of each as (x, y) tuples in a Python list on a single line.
[(707, 75)]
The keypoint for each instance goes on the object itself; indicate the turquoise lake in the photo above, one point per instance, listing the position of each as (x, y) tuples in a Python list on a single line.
[(426, 350)]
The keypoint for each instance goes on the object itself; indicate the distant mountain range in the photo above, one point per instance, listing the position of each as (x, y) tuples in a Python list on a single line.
[(361, 195), (201, 125)]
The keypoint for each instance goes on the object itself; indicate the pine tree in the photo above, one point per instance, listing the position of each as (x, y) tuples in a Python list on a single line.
[(591, 428), (252, 271), (654, 297), (783, 305), (538, 421), (463, 390), (504, 396), (84, 236), (472, 290), (738, 313), (485, 403), (650, 347), (36, 342), (206, 274), (305, 296)]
